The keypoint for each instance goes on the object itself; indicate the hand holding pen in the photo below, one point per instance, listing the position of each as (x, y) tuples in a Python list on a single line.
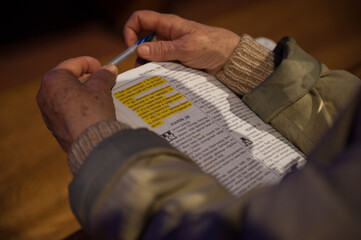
[(129, 51), (69, 108), (193, 44)]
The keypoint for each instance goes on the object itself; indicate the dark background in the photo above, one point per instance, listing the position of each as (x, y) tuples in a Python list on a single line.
[(23, 19)]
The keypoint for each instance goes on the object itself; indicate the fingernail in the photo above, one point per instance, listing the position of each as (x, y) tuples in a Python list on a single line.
[(143, 50), (112, 68)]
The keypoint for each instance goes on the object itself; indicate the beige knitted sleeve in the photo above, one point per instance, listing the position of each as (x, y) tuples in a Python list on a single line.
[(248, 66), (85, 143)]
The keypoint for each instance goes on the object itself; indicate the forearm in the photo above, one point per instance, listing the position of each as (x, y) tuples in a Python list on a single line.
[(148, 188), (321, 200), (248, 66), (289, 89)]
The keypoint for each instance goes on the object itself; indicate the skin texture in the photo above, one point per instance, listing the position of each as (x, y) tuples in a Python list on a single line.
[(68, 106), (193, 44)]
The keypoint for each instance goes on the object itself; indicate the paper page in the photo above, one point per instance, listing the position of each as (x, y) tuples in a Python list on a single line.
[(202, 118)]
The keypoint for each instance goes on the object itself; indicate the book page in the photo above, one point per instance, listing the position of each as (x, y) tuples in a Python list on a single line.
[(202, 118)]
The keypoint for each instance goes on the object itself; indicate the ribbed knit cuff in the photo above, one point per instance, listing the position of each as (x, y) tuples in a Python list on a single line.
[(248, 66), (86, 142)]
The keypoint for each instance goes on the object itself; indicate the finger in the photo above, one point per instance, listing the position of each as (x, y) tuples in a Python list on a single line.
[(79, 66), (69, 72), (162, 50), (103, 79), (166, 25)]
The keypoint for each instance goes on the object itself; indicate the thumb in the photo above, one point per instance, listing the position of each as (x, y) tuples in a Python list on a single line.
[(104, 78), (159, 51)]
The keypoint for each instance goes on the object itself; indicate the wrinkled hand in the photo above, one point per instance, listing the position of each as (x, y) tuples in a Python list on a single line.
[(69, 106), (193, 44)]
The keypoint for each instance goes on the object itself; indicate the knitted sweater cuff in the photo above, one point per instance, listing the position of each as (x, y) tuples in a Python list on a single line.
[(248, 66), (91, 137)]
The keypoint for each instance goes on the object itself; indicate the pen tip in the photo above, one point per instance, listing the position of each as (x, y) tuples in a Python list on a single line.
[(147, 38)]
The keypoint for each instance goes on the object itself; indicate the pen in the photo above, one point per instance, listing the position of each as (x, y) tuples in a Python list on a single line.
[(129, 51), (126, 53)]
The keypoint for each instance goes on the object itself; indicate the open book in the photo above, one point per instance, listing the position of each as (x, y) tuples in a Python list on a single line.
[(202, 118)]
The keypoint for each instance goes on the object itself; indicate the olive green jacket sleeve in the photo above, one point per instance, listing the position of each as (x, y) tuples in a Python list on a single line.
[(146, 189), (135, 185), (302, 97)]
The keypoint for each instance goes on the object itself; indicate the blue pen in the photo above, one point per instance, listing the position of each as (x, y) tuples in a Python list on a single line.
[(126, 53)]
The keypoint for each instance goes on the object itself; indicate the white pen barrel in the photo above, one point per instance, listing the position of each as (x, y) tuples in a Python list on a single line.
[(126, 53)]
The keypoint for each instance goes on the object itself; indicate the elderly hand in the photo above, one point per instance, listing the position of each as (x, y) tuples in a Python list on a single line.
[(193, 44), (69, 106)]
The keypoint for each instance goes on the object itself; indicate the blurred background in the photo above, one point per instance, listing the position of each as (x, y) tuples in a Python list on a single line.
[(37, 35)]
